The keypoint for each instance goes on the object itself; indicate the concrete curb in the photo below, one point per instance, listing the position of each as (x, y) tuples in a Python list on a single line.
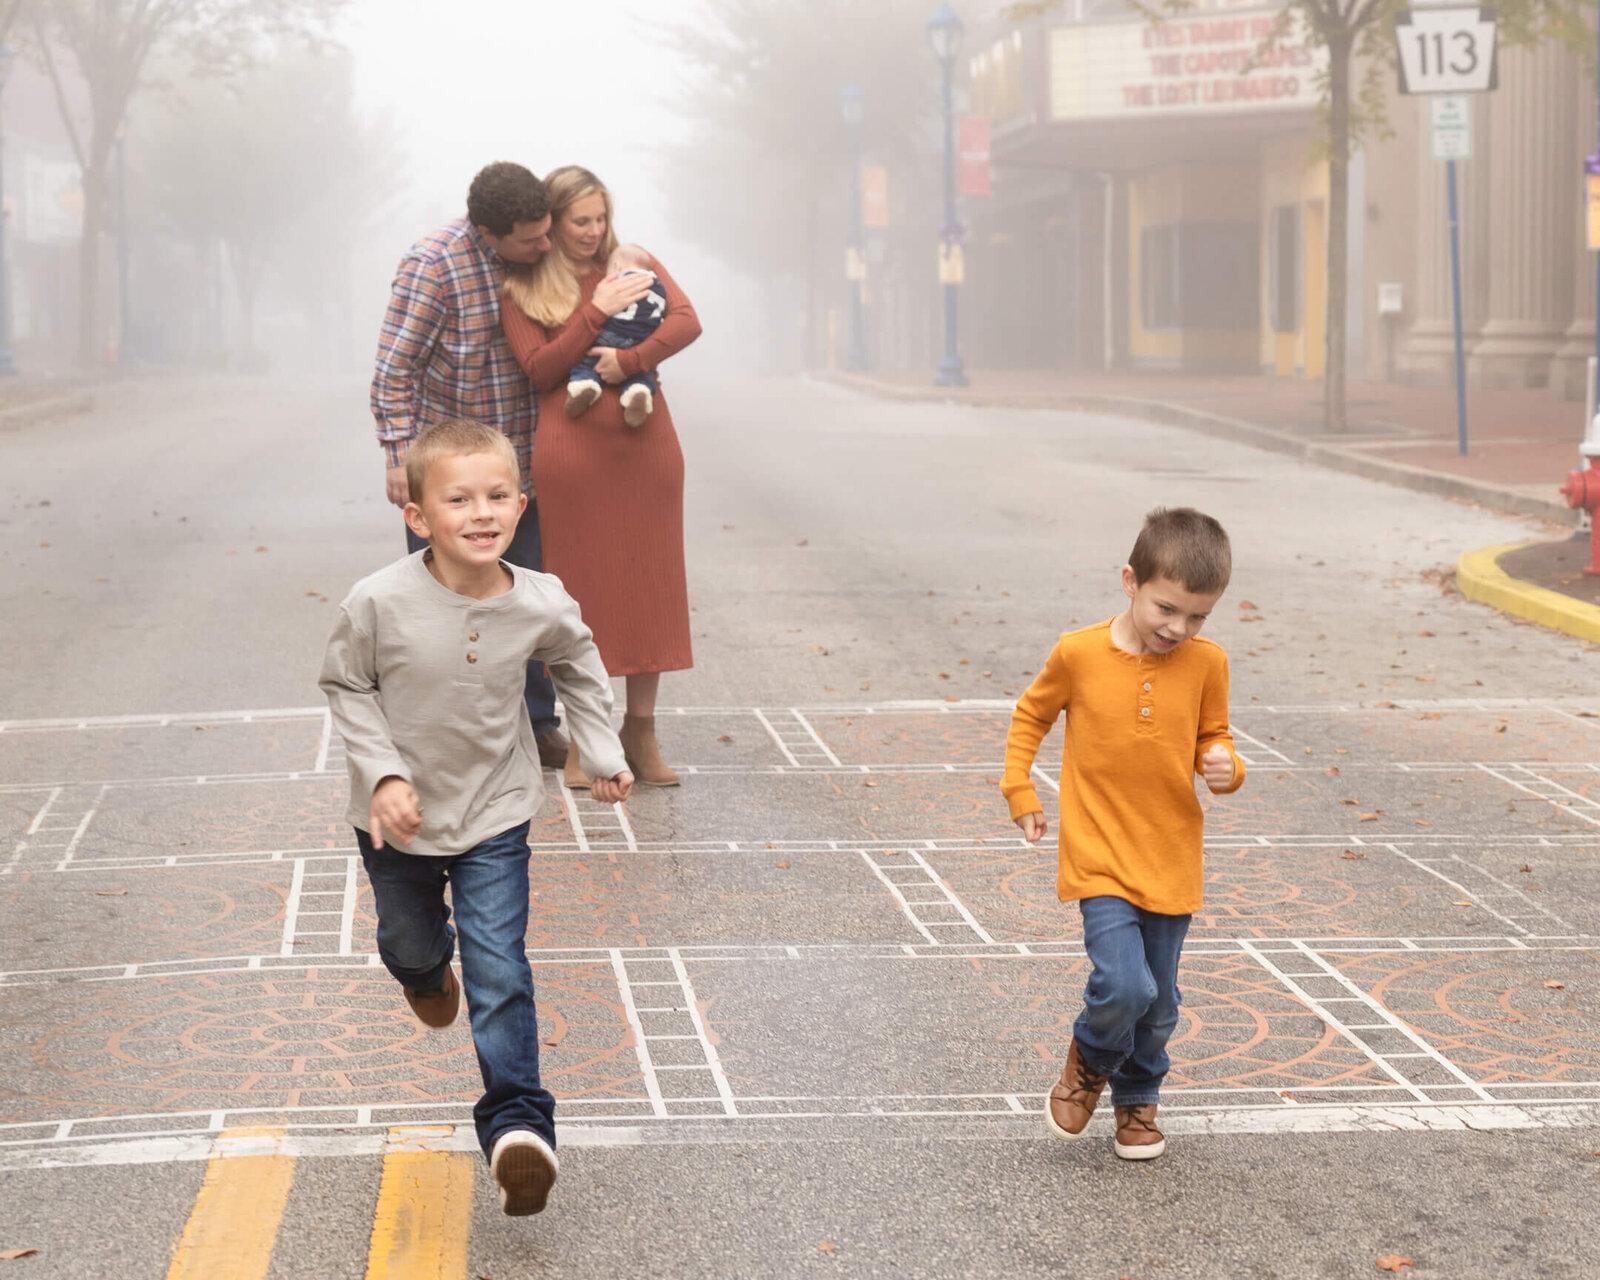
[(1167, 414), (1480, 578), (26, 414)]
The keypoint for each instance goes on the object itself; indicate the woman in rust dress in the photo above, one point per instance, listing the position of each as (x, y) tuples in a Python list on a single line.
[(610, 495)]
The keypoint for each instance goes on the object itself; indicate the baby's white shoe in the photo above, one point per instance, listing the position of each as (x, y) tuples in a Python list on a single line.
[(581, 395), (637, 402)]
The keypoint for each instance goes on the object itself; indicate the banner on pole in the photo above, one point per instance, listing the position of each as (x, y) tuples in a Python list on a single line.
[(1591, 179), (973, 149), (875, 197)]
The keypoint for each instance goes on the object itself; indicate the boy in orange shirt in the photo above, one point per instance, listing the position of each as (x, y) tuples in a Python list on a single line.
[(1147, 709)]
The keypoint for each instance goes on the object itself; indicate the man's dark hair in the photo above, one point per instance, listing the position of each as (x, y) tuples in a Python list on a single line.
[(504, 194), (1184, 545)]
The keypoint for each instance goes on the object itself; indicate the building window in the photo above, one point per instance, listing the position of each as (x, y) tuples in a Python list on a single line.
[(1199, 275), (1283, 268), (996, 79)]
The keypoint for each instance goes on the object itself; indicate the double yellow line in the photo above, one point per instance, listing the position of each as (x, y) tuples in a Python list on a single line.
[(419, 1231)]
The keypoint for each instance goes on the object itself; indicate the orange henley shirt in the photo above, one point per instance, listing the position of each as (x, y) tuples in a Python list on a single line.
[(1137, 727)]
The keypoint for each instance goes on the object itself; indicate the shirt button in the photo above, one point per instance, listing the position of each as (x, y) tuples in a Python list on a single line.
[(1144, 711), (472, 657), (473, 636), (1146, 683)]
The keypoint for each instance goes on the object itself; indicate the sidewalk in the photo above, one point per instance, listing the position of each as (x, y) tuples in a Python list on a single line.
[(30, 397), (1521, 444)]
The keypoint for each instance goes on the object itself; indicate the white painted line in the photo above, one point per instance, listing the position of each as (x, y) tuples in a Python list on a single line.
[(291, 909), (724, 1091), (347, 909), (782, 745), (1256, 742), (324, 742), (77, 835), (1423, 865), (647, 1069), (1568, 806), (573, 818), (900, 898), (949, 893), (815, 736)]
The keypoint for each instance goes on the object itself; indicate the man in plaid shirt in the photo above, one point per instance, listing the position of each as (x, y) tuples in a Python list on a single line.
[(442, 355)]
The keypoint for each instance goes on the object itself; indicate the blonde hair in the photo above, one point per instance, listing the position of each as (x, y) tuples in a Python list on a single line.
[(451, 438), (548, 291)]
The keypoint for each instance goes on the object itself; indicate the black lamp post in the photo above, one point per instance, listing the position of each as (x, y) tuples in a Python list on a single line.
[(8, 363), (850, 107), (944, 36)]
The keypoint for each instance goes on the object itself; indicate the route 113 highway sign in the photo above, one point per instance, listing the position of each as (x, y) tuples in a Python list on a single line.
[(1446, 50)]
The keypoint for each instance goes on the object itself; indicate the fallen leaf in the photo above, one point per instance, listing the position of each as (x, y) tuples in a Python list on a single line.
[(869, 783), (782, 866), (1393, 1262), (1352, 855), (1462, 902), (1555, 985), (1367, 817), (1308, 750), (260, 548), (1386, 704), (1245, 604), (828, 1246), (1424, 679), (11, 1255), (1430, 715), (1350, 802), (952, 699), (1425, 633), (1341, 751), (725, 738), (1524, 867), (313, 592), (770, 845), (1499, 728), (1333, 772), (1421, 822), (111, 893), (804, 542), (944, 675)]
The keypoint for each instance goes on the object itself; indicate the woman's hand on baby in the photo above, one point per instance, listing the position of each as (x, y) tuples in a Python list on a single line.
[(611, 790), (606, 365), (1216, 767), (1033, 826), (618, 293)]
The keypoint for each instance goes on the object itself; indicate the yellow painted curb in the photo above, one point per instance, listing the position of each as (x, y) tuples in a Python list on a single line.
[(1480, 577)]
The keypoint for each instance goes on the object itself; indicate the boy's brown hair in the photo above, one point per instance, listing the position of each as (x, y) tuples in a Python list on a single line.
[(448, 439), (1185, 545)]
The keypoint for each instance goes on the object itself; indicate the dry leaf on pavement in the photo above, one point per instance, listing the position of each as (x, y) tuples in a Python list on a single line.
[(111, 893), (724, 738), (11, 1255), (1367, 817), (1352, 855), (1555, 985), (828, 1246), (1393, 1262), (782, 866)]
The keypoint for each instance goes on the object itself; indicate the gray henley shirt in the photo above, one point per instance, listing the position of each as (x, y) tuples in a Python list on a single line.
[(426, 684)]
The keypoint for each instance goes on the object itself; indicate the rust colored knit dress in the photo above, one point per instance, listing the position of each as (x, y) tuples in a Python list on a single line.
[(611, 496)]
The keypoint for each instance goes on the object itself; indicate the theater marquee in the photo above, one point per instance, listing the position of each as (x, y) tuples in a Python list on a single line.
[(1191, 66)]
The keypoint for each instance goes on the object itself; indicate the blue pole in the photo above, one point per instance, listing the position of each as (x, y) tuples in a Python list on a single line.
[(951, 373), (1455, 289)]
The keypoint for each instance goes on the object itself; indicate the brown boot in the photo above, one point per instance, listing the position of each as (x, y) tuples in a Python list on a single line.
[(639, 748), (1074, 1097), (572, 775), (1137, 1135), (436, 1008)]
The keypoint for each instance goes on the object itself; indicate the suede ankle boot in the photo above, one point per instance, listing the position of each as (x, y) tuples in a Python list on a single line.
[(572, 775), (639, 747)]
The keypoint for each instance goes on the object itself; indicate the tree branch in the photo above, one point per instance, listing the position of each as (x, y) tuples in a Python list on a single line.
[(62, 104)]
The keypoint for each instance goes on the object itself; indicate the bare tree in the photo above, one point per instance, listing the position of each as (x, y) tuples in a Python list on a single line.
[(113, 43), (1359, 38)]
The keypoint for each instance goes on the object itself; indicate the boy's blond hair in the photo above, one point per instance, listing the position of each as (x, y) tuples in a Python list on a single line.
[(1185, 545), (452, 438)]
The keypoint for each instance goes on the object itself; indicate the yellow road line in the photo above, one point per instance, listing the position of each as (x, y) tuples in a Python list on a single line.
[(235, 1219), (424, 1208)]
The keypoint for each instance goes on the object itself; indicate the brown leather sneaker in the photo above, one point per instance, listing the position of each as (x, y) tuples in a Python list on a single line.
[(436, 1008), (1137, 1135), (1074, 1097)]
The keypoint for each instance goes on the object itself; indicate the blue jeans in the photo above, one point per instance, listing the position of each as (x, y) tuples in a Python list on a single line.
[(1130, 1007), (489, 886), (528, 552), (584, 370)]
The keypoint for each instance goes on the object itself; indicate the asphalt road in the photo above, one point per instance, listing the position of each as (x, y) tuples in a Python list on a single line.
[(874, 1036)]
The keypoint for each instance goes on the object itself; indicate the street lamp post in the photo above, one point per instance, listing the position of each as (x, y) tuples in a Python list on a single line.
[(124, 247), (8, 363), (850, 107), (944, 35)]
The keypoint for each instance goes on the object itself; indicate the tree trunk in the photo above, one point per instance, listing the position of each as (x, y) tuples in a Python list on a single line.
[(90, 346), (1333, 378)]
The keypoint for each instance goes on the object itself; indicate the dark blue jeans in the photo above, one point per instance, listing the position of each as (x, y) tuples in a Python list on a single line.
[(1130, 1007), (527, 551), (489, 887), (584, 370)]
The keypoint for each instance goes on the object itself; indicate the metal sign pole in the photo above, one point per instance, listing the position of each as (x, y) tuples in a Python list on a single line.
[(1455, 290)]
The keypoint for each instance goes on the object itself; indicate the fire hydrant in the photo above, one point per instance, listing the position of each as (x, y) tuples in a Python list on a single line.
[(1582, 490)]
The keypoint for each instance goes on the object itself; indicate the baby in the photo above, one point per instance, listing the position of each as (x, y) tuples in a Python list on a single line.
[(627, 328)]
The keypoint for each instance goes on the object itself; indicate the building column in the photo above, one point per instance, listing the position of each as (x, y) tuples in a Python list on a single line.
[(1530, 222), (1569, 370), (1428, 352)]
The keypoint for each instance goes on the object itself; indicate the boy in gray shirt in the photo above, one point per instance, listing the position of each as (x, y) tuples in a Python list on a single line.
[(424, 674)]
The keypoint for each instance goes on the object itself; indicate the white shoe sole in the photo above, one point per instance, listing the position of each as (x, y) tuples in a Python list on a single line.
[(1140, 1153), (1057, 1130), (526, 1170)]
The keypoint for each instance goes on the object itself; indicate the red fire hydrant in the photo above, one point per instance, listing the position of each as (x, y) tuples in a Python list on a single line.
[(1582, 489)]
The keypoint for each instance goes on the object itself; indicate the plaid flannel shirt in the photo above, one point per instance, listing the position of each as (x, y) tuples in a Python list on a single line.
[(442, 353)]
